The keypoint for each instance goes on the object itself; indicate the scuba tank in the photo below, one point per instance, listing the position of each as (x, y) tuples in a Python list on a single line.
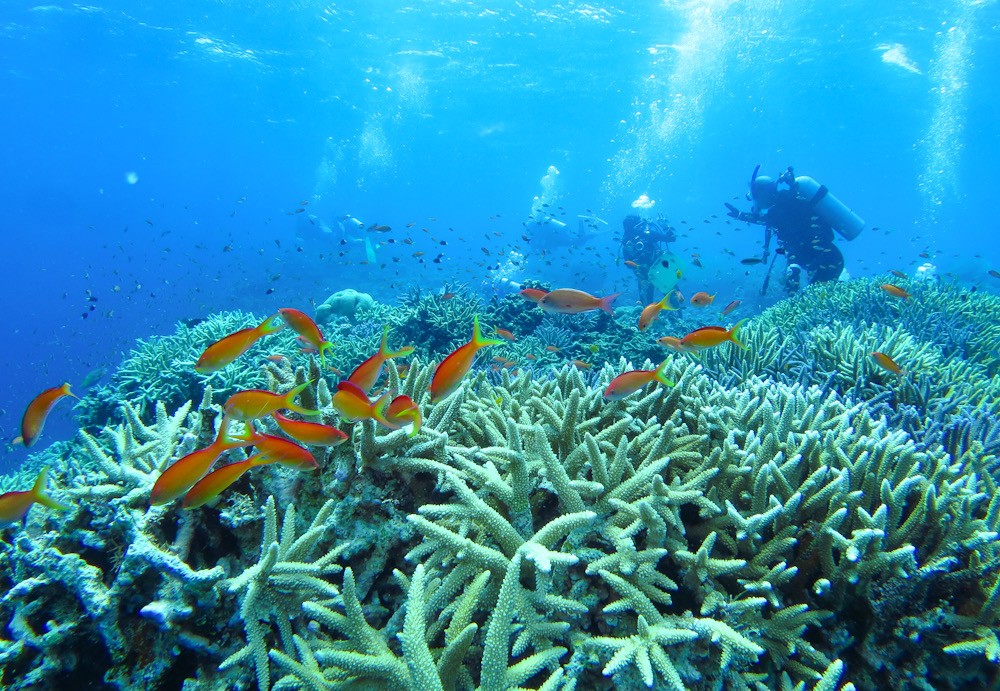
[(831, 210)]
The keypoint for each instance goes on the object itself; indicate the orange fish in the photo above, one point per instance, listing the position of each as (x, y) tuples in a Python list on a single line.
[(447, 296), (286, 452), (352, 404), (730, 307), (580, 364), (533, 294), (402, 410), (652, 311), (504, 333), (39, 409), (228, 348), (886, 363), (310, 433), (366, 374), (895, 291), (629, 262), (702, 299), (452, 370), (305, 327), (255, 403), (186, 471), (630, 382), (213, 484), (552, 348), (570, 301), (898, 274), (276, 358), (531, 357), (14, 505), (674, 344), (709, 336)]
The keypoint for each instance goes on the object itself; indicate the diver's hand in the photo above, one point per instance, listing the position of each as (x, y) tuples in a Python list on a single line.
[(740, 215)]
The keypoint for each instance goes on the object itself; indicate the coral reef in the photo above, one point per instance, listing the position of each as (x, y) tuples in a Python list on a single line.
[(344, 303), (787, 516)]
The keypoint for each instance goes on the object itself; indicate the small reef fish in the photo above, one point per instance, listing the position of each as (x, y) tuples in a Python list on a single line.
[(402, 410), (898, 274), (994, 273), (213, 484), (630, 382), (571, 301), (702, 299), (352, 404), (580, 364), (652, 311), (629, 262), (886, 363), (311, 433), (305, 327), (228, 348), (34, 415), (367, 373), (593, 348), (674, 344), (504, 333), (750, 261), (533, 294), (286, 452), (710, 336), (14, 505), (452, 370), (186, 471), (895, 291), (730, 307), (256, 403)]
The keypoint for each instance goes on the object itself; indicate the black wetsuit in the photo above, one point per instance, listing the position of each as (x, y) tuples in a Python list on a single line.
[(806, 239)]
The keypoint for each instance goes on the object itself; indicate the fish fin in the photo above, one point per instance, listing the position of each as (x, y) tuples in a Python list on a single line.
[(272, 324), (735, 331), (67, 392), (605, 303), (660, 374), (38, 492), (477, 336), (290, 397), (384, 351), (323, 347), (378, 411)]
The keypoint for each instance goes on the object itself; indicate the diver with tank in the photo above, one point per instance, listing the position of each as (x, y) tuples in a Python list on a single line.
[(644, 250), (803, 215)]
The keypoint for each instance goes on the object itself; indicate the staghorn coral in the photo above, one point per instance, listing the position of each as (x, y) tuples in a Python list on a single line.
[(763, 509), (796, 530)]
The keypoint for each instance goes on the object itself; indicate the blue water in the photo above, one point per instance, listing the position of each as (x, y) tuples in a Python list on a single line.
[(142, 139)]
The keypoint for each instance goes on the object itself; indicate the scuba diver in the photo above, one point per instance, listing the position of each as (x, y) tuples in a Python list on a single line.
[(803, 215), (644, 249)]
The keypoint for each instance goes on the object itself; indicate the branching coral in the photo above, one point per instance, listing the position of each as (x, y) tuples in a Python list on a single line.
[(784, 517)]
